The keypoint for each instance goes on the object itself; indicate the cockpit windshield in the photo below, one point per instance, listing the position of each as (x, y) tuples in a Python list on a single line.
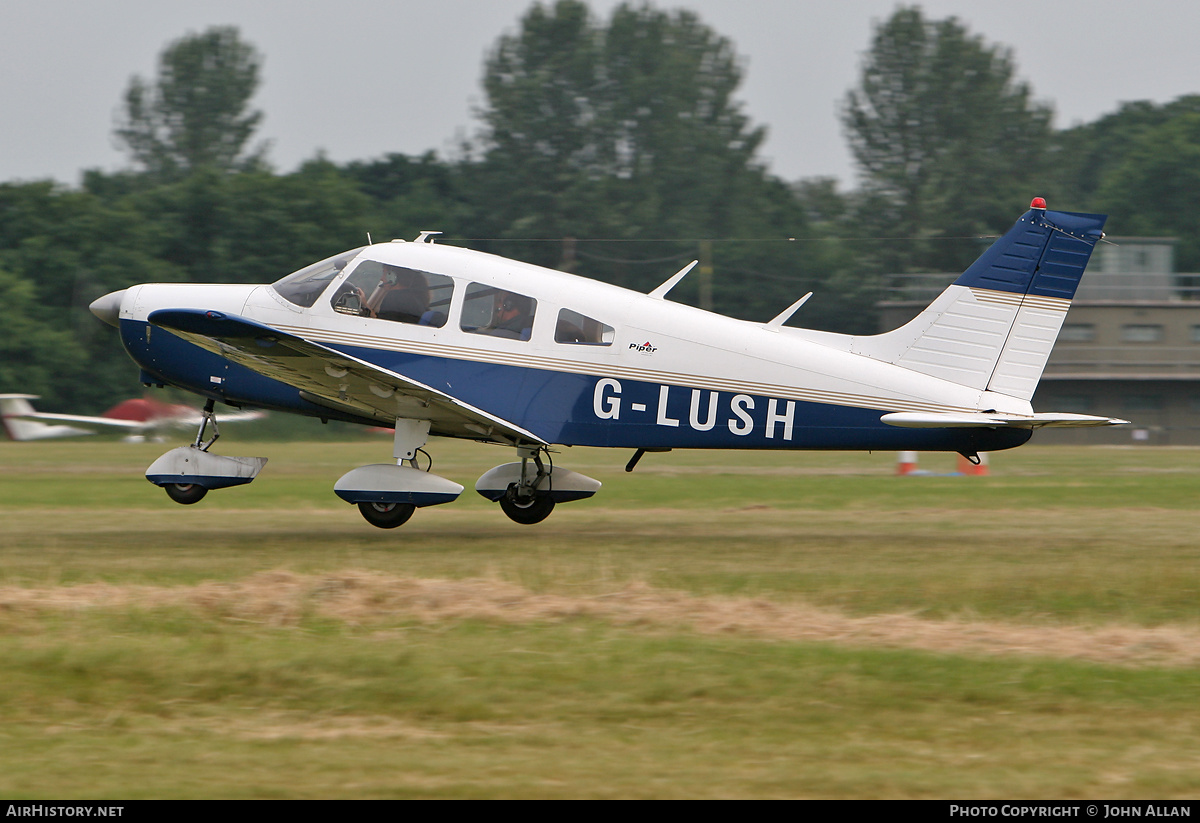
[(305, 286)]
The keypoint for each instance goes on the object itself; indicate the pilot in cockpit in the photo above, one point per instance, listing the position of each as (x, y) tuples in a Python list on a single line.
[(402, 295)]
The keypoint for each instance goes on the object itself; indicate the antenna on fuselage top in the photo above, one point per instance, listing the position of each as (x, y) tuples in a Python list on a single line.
[(661, 292), (776, 323), (369, 243), (426, 237)]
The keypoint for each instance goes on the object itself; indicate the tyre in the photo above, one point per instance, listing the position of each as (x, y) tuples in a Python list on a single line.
[(386, 515), (529, 511), (185, 493)]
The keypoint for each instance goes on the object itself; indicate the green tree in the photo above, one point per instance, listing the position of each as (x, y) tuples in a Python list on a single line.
[(37, 352), (275, 224), (1154, 190), (546, 104), (195, 115), (627, 127), (413, 194), (628, 130), (60, 249), (1087, 155), (949, 142), (252, 227)]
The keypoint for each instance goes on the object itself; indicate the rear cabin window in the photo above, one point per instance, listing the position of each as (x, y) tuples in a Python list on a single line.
[(305, 286), (395, 293), (574, 327), (497, 313)]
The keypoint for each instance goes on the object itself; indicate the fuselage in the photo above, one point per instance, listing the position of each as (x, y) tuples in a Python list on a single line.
[(596, 365)]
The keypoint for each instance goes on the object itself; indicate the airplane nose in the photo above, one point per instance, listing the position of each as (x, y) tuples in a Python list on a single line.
[(108, 307)]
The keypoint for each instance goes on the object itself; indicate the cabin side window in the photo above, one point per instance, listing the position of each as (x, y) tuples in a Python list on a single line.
[(305, 286), (574, 327), (395, 293), (497, 313)]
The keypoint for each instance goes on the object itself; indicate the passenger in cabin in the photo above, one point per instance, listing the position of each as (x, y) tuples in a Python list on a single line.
[(512, 316)]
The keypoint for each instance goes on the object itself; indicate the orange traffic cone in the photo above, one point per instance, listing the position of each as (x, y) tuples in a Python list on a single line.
[(979, 469), (906, 463)]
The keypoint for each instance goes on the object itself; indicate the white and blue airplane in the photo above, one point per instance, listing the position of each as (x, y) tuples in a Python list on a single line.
[(435, 340)]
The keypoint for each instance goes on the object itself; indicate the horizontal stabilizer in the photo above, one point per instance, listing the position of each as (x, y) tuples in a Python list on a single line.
[(974, 420)]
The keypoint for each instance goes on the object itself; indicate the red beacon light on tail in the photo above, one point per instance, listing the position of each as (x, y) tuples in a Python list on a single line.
[(1038, 203)]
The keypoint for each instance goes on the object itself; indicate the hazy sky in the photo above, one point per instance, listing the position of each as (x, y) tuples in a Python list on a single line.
[(357, 79)]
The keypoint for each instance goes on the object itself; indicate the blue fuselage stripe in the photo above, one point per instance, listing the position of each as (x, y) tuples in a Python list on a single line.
[(575, 409)]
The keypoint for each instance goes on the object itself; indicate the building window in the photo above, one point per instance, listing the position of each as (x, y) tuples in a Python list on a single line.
[(1077, 333), (1196, 334), (1142, 333)]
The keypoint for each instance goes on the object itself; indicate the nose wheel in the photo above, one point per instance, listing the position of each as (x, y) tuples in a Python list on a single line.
[(188, 473), (188, 493)]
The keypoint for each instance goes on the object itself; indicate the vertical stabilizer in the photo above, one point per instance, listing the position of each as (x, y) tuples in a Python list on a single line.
[(993, 329)]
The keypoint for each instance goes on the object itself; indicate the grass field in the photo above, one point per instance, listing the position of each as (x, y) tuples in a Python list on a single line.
[(712, 625)]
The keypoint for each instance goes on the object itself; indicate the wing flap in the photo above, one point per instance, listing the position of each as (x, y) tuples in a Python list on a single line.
[(333, 379)]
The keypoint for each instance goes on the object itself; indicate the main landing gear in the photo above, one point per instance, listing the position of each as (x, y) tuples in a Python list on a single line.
[(527, 500), (532, 508), (528, 493), (188, 473), (387, 494)]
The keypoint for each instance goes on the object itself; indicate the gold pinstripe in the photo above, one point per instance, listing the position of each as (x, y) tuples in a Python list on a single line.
[(619, 371)]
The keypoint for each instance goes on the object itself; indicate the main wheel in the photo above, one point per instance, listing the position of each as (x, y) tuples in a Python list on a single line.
[(528, 511), (185, 493), (387, 515)]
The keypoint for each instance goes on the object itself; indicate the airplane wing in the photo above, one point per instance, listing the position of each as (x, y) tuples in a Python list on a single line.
[(79, 419), (968, 420), (329, 378), (193, 419)]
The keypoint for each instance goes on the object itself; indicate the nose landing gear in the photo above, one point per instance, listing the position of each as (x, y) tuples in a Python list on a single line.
[(188, 473)]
